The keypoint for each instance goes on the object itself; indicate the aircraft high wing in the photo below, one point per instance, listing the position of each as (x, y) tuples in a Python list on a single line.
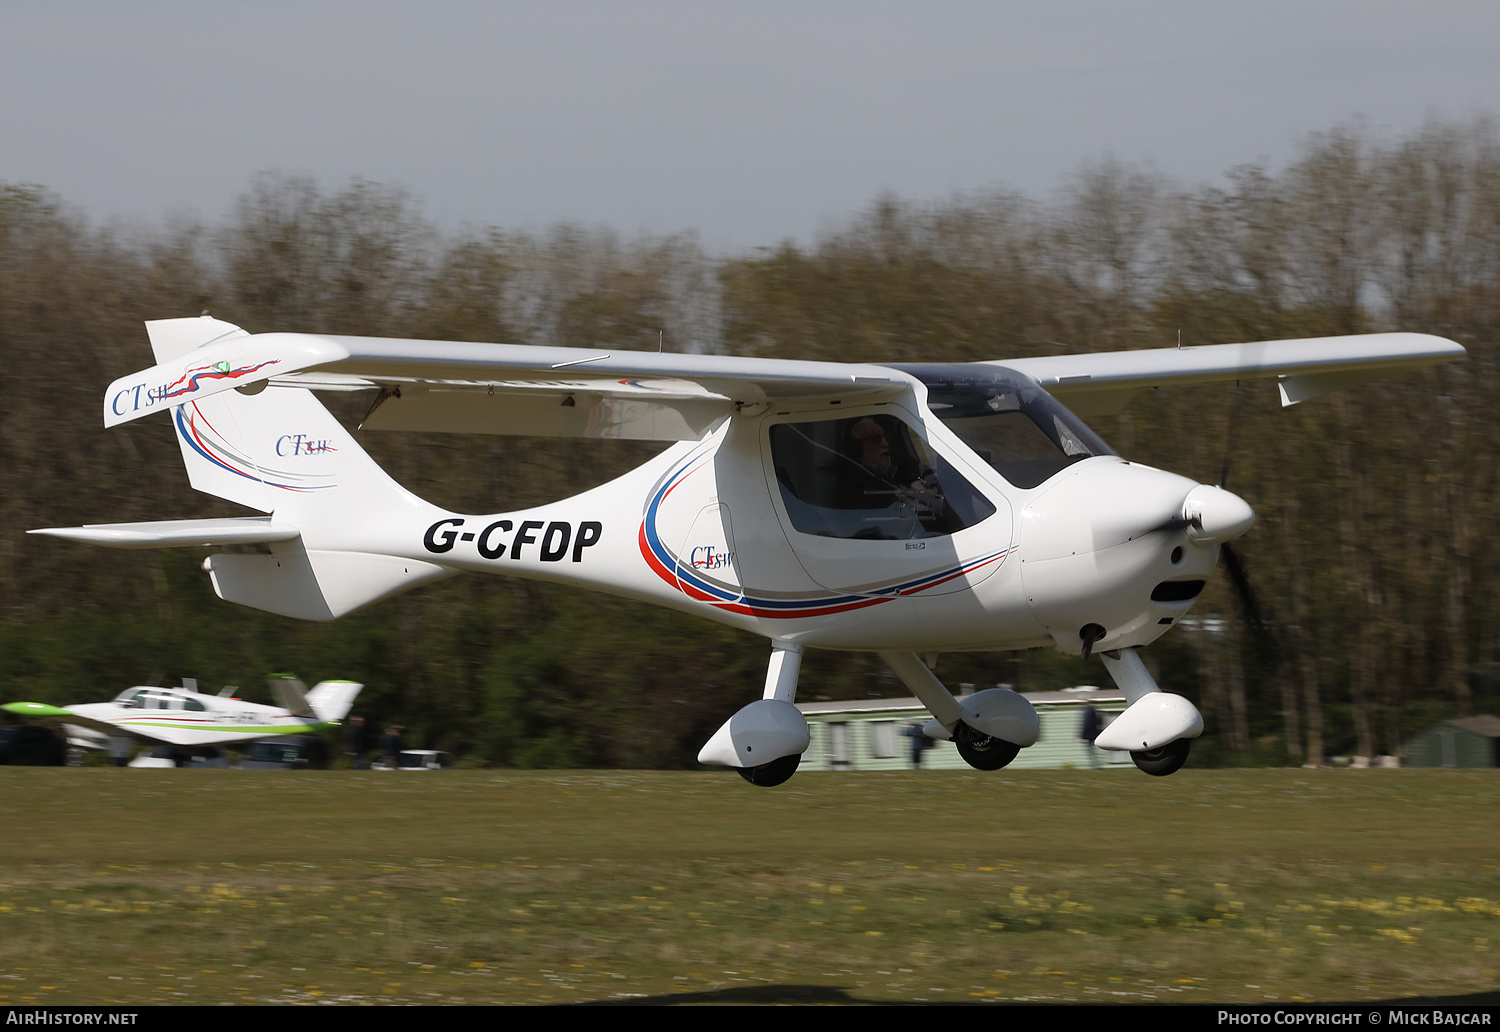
[(906, 510)]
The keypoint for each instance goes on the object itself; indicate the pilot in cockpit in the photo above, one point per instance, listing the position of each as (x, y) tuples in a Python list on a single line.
[(888, 475), (872, 448)]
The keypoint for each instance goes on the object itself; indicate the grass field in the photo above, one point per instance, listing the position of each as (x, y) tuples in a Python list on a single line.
[(208, 886)]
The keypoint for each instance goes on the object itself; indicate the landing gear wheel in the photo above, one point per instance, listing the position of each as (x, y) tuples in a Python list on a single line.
[(1166, 760), (771, 774), (983, 752)]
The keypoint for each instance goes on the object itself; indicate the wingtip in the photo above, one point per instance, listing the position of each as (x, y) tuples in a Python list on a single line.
[(35, 709)]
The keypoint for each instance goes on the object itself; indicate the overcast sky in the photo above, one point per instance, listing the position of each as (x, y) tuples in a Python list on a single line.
[(749, 122)]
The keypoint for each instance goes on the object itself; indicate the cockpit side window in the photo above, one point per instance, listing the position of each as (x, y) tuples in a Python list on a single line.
[(155, 699), (870, 477), (1008, 421)]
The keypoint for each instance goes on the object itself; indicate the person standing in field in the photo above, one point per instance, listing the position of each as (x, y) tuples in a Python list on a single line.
[(1088, 730)]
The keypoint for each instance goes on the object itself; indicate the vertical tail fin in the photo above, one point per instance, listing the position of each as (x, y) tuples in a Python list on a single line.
[(278, 450), (291, 694), (328, 700)]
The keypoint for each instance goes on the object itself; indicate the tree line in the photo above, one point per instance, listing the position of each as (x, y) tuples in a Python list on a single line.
[(1373, 559)]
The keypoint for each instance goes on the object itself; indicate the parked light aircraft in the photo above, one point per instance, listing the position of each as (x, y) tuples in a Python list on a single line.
[(184, 717), (907, 510)]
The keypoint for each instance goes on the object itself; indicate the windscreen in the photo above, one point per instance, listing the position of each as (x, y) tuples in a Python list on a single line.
[(1007, 420)]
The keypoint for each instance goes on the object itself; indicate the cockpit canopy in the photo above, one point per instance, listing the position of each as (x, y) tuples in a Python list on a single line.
[(1007, 420), (158, 698)]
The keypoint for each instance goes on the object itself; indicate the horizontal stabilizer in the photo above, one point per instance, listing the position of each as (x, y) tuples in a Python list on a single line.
[(233, 530), (332, 700)]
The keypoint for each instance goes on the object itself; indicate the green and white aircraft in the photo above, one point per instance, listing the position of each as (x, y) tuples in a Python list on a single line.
[(185, 717)]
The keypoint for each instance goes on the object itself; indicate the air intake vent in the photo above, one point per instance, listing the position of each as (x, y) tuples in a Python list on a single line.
[(1177, 591)]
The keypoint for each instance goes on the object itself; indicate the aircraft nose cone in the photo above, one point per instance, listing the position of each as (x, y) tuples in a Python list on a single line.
[(1103, 504), (1216, 515)]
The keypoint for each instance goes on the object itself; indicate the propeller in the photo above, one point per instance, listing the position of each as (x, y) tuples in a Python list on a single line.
[(1261, 630)]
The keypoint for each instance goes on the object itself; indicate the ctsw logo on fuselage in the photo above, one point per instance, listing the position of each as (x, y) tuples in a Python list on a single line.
[(553, 544), (711, 557)]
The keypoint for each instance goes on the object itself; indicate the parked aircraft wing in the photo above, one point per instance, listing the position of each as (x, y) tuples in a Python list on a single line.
[(93, 716)]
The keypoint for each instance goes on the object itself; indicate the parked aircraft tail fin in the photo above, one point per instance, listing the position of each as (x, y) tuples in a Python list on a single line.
[(291, 694), (328, 700)]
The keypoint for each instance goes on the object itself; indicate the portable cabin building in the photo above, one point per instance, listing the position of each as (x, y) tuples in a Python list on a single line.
[(1465, 742), (877, 734)]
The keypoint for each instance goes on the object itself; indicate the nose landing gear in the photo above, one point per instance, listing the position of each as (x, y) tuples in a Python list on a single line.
[(1157, 727)]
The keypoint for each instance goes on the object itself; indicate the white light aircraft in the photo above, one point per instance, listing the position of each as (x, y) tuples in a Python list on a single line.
[(186, 718), (907, 510)]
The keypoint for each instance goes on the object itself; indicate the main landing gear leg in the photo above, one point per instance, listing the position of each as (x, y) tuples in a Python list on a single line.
[(1157, 727), (989, 728), (925, 686), (765, 740), (781, 674)]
